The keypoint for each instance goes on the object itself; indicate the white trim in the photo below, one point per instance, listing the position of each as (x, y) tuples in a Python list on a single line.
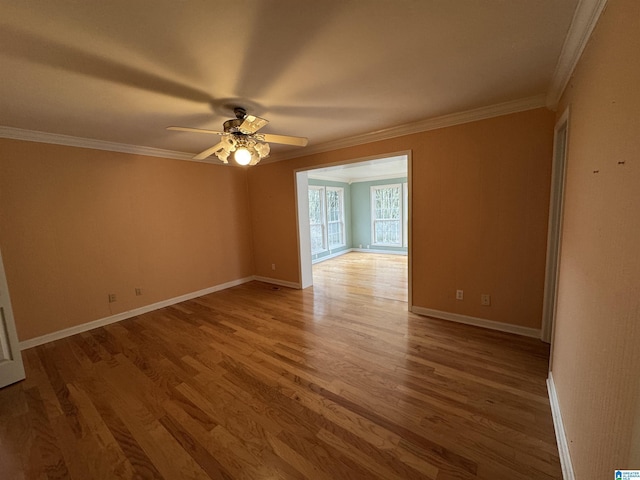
[(409, 230), (11, 362), (478, 322), (351, 181), (276, 281), (67, 332), (372, 207), (70, 141), (303, 229), (330, 256), (584, 20), (434, 123), (405, 214), (554, 229), (561, 437), (323, 214), (354, 161), (329, 178), (377, 250), (343, 220)]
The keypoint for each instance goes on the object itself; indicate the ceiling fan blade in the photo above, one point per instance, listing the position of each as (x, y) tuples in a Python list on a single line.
[(286, 139), (196, 130), (252, 124), (209, 151)]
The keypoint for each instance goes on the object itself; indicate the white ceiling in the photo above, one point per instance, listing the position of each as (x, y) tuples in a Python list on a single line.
[(121, 71), (390, 167)]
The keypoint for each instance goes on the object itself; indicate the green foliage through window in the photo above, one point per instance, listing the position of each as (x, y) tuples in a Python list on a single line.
[(326, 218)]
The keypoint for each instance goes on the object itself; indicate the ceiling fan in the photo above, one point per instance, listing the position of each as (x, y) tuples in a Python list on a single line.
[(240, 137)]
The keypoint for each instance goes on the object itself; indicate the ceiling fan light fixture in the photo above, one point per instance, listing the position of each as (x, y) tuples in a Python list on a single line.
[(240, 137), (242, 156), (262, 149)]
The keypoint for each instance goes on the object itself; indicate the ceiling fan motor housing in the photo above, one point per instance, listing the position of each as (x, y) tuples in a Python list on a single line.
[(232, 126)]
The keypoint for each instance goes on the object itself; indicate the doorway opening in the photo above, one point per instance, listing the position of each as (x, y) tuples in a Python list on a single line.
[(554, 236), (351, 218), (11, 364)]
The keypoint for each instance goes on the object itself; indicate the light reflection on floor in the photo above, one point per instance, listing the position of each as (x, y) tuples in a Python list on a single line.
[(372, 274)]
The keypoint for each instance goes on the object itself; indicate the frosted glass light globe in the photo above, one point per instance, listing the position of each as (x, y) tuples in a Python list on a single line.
[(242, 156)]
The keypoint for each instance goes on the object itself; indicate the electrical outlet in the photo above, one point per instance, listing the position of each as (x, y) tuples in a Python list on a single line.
[(485, 299), (273, 266), (459, 295), (138, 292), (112, 297)]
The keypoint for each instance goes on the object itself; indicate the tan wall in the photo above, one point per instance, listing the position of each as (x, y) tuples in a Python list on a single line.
[(480, 198), (77, 224), (596, 359)]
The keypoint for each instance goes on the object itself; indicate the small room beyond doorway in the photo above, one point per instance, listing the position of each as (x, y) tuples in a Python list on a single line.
[(354, 226)]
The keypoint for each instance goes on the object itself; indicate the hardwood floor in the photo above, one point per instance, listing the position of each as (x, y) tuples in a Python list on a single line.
[(382, 276), (261, 382)]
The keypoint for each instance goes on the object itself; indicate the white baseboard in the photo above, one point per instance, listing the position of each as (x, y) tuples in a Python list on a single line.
[(561, 438), (478, 322), (378, 250), (67, 332), (330, 256), (275, 281)]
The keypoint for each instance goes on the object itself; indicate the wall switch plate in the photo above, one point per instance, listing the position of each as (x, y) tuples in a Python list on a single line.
[(459, 295), (485, 299)]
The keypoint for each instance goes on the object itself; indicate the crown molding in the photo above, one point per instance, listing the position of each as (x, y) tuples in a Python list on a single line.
[(434, 123), (352, 180), (584, 21), (70, 141), (329, 178)]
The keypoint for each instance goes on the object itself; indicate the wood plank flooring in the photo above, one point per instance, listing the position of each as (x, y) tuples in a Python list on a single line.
[(334, 382), (375, 275)]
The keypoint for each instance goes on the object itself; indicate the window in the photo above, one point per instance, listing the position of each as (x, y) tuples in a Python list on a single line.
[(405, 215), (317, 219), (326, 218), (335, 217), (387, 218)]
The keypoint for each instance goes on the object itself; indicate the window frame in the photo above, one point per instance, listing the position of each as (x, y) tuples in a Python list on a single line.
[(405, 215), (323, 215), (326, 246), (399, 220), (341, 219)]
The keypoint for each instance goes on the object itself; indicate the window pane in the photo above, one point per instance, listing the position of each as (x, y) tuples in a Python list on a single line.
[(317, 240), (387, 232), (317, 219), (387, 215), (335, 234), (335, 216), (333, 206), (326, 226), (315, 206), (387, 203)]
